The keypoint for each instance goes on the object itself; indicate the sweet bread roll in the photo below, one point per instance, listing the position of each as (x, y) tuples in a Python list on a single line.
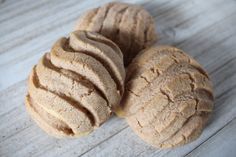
[(74, 88), (130, 26), (168, 97)]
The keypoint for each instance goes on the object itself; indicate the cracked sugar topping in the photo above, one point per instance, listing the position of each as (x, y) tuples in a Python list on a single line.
[(168, 97)]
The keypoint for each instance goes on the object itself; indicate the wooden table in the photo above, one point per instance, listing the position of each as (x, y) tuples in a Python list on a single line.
[(28, 28)]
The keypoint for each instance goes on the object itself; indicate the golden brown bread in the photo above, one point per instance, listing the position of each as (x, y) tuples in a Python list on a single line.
[(130, 26), (74, 89), (168, 97)]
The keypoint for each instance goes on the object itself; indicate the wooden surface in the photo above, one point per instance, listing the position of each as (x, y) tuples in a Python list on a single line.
[(204, 29)]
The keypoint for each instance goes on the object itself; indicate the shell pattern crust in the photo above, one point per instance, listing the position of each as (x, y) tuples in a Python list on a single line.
[(130, 26), (74, 88)]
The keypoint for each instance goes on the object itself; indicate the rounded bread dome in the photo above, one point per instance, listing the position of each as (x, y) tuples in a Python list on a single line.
[(74, 88), (130, 26), (168, 97)]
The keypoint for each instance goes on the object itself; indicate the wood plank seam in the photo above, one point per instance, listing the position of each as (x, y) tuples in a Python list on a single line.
[(214, 134)]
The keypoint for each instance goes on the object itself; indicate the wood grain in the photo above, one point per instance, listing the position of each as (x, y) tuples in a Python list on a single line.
[(221, 141), (204, 29)]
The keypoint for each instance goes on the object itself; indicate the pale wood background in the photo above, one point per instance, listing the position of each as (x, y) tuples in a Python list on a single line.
[(204, 29)]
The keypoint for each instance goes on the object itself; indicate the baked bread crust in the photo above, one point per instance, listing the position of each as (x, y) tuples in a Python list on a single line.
[(74, 88), (130, 26), (168, 97)]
